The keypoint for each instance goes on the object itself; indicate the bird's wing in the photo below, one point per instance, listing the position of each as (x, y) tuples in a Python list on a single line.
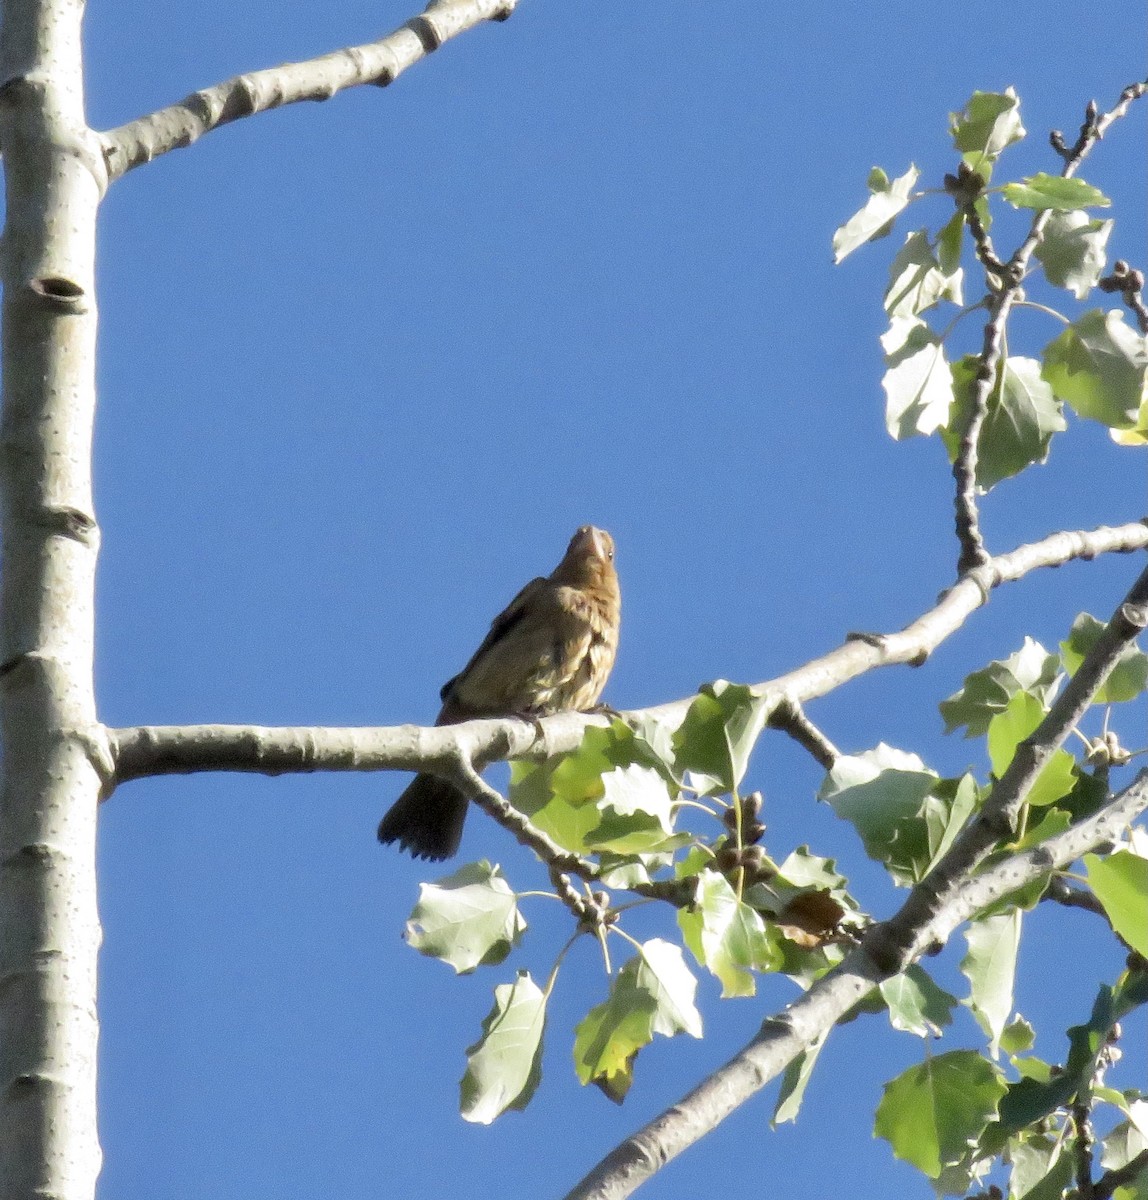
[(506, 620)]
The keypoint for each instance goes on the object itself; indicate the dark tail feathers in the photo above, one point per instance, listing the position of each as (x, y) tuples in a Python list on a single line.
[(427, 819)]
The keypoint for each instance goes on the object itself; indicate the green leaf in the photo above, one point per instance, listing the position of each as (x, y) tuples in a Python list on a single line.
[(716, 738), (504, 1066), (1021, 416), (566, 796), (728, 936), (1018, 1035), (875, 219), (882, 793), (652, 993), (917, 281), (794, 1081), (918, 383), (933, 1112), (469, 919), (1008, 729), (1041, 191), (988, 691), (990, 967), (916, 1004), (990, 122), (1129, 676), (1071, 250), (1099, 366), (906, 816), (1120, 882), (1041, 1167), (636, 811)]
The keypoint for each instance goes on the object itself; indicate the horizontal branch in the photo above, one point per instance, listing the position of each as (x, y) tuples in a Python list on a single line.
[(377, 63), (455, 751), (783, 1037)]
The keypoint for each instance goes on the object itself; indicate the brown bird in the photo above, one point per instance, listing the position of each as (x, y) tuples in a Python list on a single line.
[(551, 649)]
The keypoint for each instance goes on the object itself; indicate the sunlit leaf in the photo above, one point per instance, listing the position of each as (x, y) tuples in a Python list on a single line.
[(917, 280), (917, 382), (469, 919), (1128, 677), (916, 1004), (1041, 191), (717, 736), (1008, 729), (1120, 882), (652, 993), (933, 1112), (990, 967), (727, 936), (988, 691), (505, 1064), (794, 1080), (1071, 250), (989, 123), (875, 219), (1099, 366)]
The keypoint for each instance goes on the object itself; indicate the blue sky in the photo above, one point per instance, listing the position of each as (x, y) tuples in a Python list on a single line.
[(364, 367)]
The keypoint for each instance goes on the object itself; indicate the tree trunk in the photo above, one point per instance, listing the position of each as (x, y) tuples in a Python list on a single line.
[(50, 775)]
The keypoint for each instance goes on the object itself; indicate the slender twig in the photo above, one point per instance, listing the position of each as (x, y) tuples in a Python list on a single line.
[(456, 750), (1082, 1146), (378, 63), (1060, 892), (1011, 277), (789, 717)]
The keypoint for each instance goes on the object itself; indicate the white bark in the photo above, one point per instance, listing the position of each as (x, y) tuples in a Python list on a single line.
[(49, 781)]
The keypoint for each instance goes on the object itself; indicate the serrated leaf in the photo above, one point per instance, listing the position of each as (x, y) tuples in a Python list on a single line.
[(717, 736), (1021, 416), (727, 936), (882, 794), (1071, 251), (1120, 882), (876, 218), (469, 919), (990, 968), (988, 691), (1099, 366), (1041, 1168), (1129, 677), (1041, 191), (505, 1064), (917, 382), (1008, 729), (932, 1113), (916, 1004), (652, 993), (989, 123), (636, 811), (917, 280), (794, 1081)]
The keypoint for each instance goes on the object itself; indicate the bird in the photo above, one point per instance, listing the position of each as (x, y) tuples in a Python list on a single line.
[(550, 650)]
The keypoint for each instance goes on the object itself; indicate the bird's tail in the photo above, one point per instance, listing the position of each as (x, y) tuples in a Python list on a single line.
[(427, 819)]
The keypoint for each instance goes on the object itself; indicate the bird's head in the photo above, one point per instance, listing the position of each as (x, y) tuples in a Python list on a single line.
[(589, 559)]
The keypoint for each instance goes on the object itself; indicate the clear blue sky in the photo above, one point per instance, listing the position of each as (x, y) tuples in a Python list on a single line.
[(364, 367)]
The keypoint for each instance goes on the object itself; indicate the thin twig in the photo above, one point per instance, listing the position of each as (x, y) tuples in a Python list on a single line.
[(1011, 277), (378, 63), (789, 717), (1105, 1187)]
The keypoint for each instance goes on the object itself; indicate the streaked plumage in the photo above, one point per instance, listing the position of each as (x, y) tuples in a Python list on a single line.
[(551, 649)]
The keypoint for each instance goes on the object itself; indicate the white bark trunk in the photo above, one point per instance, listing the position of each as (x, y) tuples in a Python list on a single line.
[(49, 781)]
